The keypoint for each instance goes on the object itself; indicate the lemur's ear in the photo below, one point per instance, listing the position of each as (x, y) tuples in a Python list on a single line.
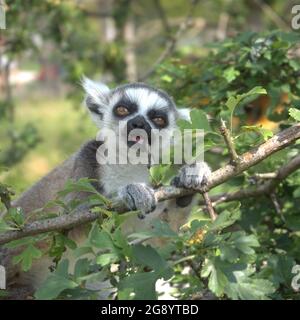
[(96, 98), (184, 113)]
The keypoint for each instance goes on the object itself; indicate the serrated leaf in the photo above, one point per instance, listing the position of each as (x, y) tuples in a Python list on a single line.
[(53, 286), (159, 229), (141, 284), (217, 279), (294, 113), (148, 256), (81, 185), (250, 289), (243, 242), (27, 256), (231, 74), (100, 239), (225, 219), (199, 120)]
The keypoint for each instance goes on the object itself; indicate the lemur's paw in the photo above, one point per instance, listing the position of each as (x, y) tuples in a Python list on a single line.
[(138, 196), (192, 176)]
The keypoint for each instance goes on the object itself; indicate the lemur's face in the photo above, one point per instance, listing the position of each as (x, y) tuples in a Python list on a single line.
[(136, 106)]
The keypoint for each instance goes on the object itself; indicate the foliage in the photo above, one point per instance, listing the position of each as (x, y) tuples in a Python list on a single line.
[(233, 67), (248, 252)]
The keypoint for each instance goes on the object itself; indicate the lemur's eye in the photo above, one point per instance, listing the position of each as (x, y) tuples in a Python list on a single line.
[(122, 111), (159, 121)]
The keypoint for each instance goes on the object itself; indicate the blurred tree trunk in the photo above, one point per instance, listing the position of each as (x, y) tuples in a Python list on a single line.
[(130, 56), (107, 22), (119, 34)]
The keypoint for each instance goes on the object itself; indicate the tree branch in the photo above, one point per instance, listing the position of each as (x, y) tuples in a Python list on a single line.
[(247, 160), (209, 206), (266, 189)]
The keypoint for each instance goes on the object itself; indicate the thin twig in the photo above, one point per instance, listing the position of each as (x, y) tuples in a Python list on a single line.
[(229, 143), (209, 206), (277, 205)]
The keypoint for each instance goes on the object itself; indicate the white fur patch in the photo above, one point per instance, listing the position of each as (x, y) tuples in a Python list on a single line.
[(146, 99), (184, 114), (97, 91)]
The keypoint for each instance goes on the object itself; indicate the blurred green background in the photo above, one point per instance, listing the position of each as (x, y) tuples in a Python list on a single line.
[(49, 44)]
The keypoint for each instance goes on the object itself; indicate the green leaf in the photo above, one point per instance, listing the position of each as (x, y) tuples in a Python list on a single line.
[(217, 279), (266, 133), (100, 239), (63, 268), (53, 286), (81, 251), (20, 242), (294, 113), (148, 256), (16, 215), (81, 268), (199, 120), (27, 256), (57, 282), (250, 289), (106, 259), (121, 242), (5, 227), (82, 185), (231, 74), (225, 219), (278, 270), (243, 242), (141, 284), (156, 174), (184, 124), (233, 102), (296, 193), (159, 229), (167, 78)]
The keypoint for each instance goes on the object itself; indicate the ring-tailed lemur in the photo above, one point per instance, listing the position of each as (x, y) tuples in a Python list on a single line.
[(138, 106)]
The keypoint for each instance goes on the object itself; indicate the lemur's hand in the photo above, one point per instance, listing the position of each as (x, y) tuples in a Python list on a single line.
[(138, 196), (192, 176)]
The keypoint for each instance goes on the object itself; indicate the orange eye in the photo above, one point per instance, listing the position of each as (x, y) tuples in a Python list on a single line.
[(159, 121), (122, 111)]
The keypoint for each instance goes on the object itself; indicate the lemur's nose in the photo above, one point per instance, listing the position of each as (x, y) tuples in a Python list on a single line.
[(139, 122)]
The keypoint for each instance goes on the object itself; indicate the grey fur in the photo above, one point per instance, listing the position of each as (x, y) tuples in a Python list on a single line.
[(130, 182), (192, 176), (138, 196)]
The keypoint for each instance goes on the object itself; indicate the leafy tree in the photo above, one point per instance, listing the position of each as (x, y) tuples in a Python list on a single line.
[(248, 251)]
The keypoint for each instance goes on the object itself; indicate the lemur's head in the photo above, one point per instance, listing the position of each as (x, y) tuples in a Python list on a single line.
[(131, 106)]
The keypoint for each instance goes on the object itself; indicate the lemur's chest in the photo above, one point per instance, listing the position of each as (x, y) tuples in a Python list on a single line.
[(113, 177)]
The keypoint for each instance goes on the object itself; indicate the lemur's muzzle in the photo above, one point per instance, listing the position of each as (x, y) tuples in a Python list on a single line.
[(142, 130)]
